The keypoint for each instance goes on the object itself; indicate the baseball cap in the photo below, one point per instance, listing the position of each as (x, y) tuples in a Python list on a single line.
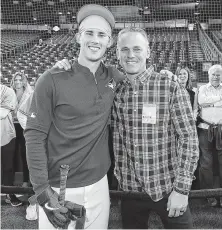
[(94, 9)]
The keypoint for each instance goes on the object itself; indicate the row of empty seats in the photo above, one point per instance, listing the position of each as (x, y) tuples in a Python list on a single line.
[(217, 36), (211, 52), (12, 42), (194, 49), (167, 51)]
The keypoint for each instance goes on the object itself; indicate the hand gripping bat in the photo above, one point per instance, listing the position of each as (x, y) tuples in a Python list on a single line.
[(77, 210)]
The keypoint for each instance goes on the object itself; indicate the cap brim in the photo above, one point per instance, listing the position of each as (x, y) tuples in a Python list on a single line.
[(93, 9)]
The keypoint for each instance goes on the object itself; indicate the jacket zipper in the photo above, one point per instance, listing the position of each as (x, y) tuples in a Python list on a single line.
[(98, 93)]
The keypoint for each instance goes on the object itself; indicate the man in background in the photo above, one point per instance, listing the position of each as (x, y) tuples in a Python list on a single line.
[(210, 130)]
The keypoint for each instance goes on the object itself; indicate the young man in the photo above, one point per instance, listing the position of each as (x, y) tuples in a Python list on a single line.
[(68, 125), (155, 139), (209, 129)]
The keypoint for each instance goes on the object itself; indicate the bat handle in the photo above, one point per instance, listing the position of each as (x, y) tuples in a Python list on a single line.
[(64, 170)]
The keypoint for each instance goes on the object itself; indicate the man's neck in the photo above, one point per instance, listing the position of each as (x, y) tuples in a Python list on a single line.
[(215, 86), (93, 66), (132, 77)]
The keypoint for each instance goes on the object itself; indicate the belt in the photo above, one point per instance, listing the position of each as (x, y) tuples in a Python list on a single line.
[(214, 130)]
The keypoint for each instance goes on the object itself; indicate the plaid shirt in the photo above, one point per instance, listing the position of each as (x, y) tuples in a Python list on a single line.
[(154, 157)]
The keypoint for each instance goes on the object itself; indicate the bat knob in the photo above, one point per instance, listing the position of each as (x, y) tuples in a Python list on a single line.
[(65, 167)]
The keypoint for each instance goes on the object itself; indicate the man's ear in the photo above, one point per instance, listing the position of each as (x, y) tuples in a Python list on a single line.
[(77, 37), (117, 54), (148, 52), (110, 43)]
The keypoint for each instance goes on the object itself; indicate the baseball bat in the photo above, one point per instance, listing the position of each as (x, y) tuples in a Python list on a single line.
[(64, 170)]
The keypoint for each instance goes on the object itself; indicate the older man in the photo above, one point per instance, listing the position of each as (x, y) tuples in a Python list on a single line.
[(210, 129), (68, 124), (155, 138)]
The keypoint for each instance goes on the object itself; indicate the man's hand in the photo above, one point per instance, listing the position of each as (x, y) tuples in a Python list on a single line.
[(78, 213), (177, 204), (168, 74), (58, 215), (63, 64)]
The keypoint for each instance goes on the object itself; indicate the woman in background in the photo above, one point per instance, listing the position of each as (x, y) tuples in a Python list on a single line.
[(184, 79), (23, 91), (8, 103)]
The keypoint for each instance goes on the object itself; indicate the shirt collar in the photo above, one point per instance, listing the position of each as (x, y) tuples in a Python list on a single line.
[(143, 77), (210, 86), (76, 67)]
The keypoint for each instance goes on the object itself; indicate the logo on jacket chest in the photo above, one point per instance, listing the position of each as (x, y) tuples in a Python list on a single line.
[(111, 84)]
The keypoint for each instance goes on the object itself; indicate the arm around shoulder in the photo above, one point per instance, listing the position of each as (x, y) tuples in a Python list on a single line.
[(115, 74)]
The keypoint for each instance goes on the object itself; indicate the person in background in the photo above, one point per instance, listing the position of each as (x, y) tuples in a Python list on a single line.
[(8, 103), (23, 90), (184, 79), (154, 137), (209, 122), (22, 114)]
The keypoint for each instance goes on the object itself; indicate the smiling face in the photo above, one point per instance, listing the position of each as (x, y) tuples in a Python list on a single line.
[(215, 77), (18, 82), (132, 51), (183, 77), (93, 45)]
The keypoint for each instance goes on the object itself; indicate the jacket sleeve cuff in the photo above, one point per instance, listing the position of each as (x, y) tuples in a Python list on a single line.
[(45, 196), (183, 192)]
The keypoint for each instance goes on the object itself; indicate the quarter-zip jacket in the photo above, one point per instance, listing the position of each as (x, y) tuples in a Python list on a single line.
[(68, 122)]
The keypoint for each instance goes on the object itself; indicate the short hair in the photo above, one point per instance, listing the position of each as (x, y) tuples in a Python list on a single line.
[(132, 29), (24, 80), (215, 67), (189, 82)]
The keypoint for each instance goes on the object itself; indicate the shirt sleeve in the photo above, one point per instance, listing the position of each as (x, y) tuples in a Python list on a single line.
[(37, 128), (4, 113), (10, 100), (188, 144), (204, 96)]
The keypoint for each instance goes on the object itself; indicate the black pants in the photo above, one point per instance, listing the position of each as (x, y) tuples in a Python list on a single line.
[(7, 163), (135, 214), (20, 144), (210, 159)]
